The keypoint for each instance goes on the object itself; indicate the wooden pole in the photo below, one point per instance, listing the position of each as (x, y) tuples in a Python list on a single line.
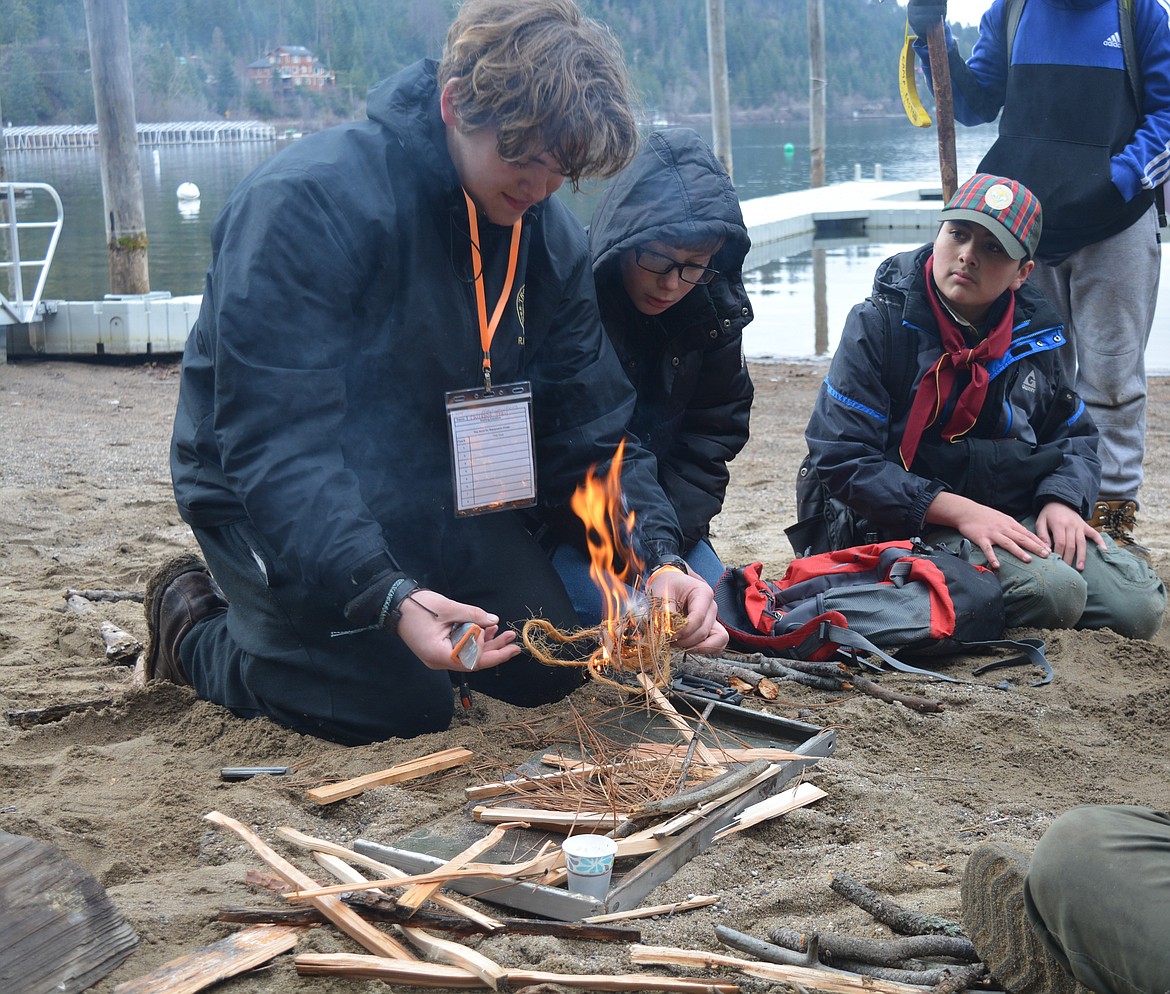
[(108, 24), (816, 91), (944, 108), (720, 100), (818, 83)]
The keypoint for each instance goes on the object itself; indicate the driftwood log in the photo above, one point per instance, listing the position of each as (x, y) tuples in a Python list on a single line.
[(900, 919)]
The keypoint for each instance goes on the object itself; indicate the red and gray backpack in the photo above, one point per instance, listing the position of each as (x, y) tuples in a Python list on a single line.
[(875, 600)]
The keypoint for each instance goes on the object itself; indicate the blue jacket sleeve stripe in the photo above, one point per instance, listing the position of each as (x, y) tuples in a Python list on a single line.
[(854, 404)]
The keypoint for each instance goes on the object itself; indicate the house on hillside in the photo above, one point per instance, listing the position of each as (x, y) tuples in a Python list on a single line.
[(288, 66)]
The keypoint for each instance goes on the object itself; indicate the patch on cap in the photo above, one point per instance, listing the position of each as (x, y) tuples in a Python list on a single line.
[(998, 197)]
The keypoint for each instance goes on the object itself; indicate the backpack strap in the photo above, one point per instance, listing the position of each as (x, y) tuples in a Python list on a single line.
[(850, 638), (1032, 651)]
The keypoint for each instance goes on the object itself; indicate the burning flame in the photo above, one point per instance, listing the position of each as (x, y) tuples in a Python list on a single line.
[(634, 628)]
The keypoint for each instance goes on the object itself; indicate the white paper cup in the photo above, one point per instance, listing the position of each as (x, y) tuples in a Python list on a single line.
[(589, 860)]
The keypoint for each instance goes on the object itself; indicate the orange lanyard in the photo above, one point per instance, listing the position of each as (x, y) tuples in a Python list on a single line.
[(487, 329)]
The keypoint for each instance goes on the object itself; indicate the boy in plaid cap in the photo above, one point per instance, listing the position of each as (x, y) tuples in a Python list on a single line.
[(946, 415)]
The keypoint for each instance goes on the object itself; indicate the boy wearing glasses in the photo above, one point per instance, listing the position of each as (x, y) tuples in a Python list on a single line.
[(668, 243)]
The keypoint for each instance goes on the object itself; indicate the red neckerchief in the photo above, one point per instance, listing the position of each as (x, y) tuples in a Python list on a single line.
[(935, 386)]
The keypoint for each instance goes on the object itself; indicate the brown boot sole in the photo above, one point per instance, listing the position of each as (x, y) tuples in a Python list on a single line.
[(992, 894)]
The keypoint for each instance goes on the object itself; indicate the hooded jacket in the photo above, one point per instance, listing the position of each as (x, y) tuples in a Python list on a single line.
[(694, 392), (339, 308), (1031, 444), (1071, 130)]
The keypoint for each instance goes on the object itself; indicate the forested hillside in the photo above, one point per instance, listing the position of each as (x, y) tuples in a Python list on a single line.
[(189, 56)]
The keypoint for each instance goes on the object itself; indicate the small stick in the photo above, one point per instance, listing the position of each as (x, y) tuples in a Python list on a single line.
[(913, 701), (54, 712), (818, 978), (657, 909), (107, 595), (888, 912), (686, 763)]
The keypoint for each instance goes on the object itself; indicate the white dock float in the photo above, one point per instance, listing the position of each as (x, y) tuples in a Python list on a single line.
[(787, 224)]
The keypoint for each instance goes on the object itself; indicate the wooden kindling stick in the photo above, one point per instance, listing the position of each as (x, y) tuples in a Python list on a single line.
[(411, 770)]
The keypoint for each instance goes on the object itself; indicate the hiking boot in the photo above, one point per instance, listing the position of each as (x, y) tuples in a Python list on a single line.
[(992, 895), (1116, 518), (178, 596)]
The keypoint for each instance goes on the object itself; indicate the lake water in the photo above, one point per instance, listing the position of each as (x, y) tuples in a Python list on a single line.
[(767, 159)]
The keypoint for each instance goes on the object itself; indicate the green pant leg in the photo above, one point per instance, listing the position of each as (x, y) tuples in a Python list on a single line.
[(1098, 894), (1125, 594), (1043, 593)]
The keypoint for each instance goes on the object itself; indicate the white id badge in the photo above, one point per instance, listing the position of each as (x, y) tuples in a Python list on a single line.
[(493, 455)]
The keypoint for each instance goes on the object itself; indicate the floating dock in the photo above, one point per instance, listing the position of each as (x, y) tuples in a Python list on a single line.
[(40, 137), (780, 226)]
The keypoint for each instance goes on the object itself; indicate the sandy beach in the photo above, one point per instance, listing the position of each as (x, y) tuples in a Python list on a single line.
[(122, 789)]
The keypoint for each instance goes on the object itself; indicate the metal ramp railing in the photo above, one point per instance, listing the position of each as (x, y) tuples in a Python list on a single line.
[(16, 307)]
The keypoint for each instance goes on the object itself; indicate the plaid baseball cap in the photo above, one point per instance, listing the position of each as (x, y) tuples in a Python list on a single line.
[(1005, 207)]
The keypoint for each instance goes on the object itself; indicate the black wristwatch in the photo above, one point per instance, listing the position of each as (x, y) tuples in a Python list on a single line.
[(676, 561)]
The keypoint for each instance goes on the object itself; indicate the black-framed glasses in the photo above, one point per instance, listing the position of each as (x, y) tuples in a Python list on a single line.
[(660, 265)]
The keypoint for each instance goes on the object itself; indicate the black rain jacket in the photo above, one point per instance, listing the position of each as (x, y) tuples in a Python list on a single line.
[(687, 364), (338, 310), (1033, 441)]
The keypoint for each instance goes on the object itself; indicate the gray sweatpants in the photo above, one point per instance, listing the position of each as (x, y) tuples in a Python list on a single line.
[(1116, 590), (1106, 294), (1098, 894)]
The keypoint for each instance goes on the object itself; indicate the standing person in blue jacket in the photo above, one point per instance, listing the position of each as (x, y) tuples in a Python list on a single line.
[(946, 415), (398, 353), (1090, 135), (668, 243)]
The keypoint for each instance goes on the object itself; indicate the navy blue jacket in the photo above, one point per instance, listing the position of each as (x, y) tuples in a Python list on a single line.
[(687, 364), (1032, 443), (339, 307), (1070, 129)]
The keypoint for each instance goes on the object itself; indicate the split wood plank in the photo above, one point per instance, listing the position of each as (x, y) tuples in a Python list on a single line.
[(778, 804), (436, 762), (389, 872), (834, 981), (559, 821), (725, 755), (659, 700), (443, 950), (700, 811), (346, 919), (435, 975), (656, 909), (228, 957)]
